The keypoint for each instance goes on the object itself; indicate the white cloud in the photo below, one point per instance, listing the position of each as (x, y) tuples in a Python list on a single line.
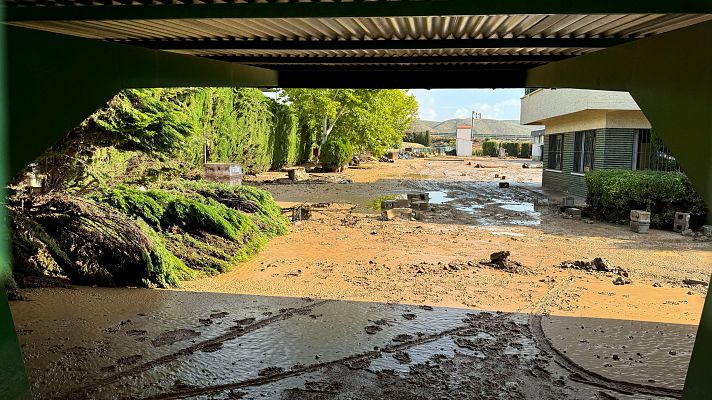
[(505, 109), (426, 104)]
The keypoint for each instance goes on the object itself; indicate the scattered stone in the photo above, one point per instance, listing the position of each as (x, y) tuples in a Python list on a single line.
[(129, 360), (657, 285), (574, 213), (672, 353), (174, 336), (397, 213), (409, 316), (359, 363), (616, 358), (269, 371), (402, 357), (403, 337), (503, 185), (372, 329)]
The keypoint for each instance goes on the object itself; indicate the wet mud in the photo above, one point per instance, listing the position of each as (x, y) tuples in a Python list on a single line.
[(306, 349)]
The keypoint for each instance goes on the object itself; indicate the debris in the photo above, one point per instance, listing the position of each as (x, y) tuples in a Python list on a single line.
[(568, 201), (525, 165), (574, 213), (639, 221), (397, 213), (297, 174), (688, 281), (599, 265), (503, 185), (656, 284), (402, 357), (500, 260), (372, 329)]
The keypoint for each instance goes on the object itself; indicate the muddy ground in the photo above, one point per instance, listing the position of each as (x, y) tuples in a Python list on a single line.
[(347, 306)]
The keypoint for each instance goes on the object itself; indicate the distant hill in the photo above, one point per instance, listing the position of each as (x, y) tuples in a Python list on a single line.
[(482, 127)]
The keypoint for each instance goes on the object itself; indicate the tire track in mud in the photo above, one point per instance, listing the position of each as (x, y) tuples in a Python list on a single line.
[(582, 375), (300, 370), (233, 332)]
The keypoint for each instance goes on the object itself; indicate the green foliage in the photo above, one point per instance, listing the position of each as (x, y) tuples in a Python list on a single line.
[(209, 226), (612, 194), (512, 148), (525, 150), (147, 120), (420, 137), (372, 120), (490, 148), (336, 153)]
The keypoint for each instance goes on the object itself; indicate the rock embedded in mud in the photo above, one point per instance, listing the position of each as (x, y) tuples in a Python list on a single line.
[(170, 337), (409, 316), (269, 371), (402, 357), (499, 257), (372, 329)]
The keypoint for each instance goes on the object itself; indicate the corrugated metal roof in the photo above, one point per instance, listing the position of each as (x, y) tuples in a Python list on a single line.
[(367, 28), (453, 39)]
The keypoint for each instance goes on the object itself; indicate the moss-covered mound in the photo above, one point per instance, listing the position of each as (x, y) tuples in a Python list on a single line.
[(126, 236)]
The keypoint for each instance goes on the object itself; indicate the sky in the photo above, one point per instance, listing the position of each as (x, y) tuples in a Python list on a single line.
[(444, 104)]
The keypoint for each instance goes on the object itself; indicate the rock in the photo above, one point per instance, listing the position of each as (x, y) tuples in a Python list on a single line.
[(657, 285), (688, 281), (616, 358), (372, 329), (601, 264), (619, 281), (499, 257)]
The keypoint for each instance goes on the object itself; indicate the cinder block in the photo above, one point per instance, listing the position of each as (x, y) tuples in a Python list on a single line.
[(640, 216), (388, 204), (503, 185), (419, 214), (502, 177), (707, 230), (420, 205), (682, 222), (397, 213), (575, 213), (418, 196), (568, 201), (402, 203), (639, 227)]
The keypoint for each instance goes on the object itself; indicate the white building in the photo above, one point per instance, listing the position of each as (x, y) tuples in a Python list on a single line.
[(463, 141)]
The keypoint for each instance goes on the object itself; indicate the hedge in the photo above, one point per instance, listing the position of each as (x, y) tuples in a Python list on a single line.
[(613, 193), (489, 148)]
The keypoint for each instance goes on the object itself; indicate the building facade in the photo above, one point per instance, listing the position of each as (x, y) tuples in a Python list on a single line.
[(585, 130)]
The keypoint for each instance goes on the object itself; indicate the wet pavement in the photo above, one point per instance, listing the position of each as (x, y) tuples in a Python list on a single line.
[(171, 344)]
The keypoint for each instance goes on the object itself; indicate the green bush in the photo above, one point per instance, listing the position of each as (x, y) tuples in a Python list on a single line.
[(512, 148), (335, 153), (613, 193), (525, 150), (490, 148)]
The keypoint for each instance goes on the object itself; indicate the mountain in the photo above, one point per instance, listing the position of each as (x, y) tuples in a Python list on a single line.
[(482, 127)]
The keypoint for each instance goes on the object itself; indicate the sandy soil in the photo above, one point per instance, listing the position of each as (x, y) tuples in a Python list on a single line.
[(346, 252)]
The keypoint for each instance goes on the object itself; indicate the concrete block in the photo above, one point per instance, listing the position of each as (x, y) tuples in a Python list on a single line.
[(397, 213), (418, 196), (640, 216), (297, 174), (682, 222), (639, 227), (503, 177), (420, 205), (503, 185), (575, 213), (496, 175), (402, 203), (419, 214), (568, 201), (388, 204)]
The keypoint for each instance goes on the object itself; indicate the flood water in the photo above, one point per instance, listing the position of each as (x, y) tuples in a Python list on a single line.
[(140, 343)]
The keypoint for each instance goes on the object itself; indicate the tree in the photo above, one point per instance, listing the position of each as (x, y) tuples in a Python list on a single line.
[(371, 120)]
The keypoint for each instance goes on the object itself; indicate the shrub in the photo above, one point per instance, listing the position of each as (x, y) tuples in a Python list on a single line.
[(613, 193), (525, 150), (512, 148), (489, 148), (335, 153)]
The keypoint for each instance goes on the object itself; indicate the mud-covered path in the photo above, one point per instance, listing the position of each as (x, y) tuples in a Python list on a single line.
[(169, 345), (347, 306)]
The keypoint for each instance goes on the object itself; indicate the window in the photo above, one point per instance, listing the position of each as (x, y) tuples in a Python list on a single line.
[(584, 149), (556, 152), (651, 154)]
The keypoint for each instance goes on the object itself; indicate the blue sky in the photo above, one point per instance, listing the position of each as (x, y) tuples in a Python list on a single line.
[(444, 104)]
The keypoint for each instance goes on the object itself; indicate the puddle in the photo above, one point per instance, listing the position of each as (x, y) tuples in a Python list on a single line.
[(520, 207), (439, 197)]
